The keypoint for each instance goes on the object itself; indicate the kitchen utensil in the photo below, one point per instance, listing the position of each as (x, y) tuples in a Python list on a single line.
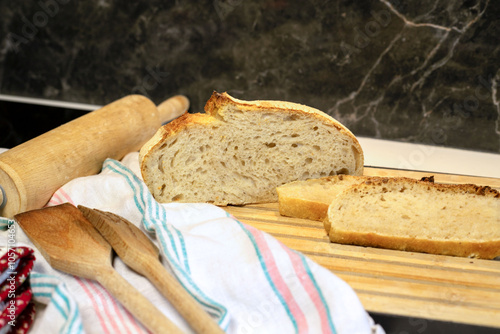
[(71, 244), (172, 108), (139, 253), (32, 171)]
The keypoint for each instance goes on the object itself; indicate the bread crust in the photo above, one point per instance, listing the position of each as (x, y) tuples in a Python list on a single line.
[(456, 188), (482, 250), (218, 100)]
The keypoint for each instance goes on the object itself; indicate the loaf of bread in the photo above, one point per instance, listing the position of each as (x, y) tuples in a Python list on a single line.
[(310, 199), (238, 152), (411, 215)]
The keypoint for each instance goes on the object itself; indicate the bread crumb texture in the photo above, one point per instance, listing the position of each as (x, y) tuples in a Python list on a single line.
[(238, 152)]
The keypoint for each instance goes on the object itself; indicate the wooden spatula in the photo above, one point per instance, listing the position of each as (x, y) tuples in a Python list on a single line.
[(71, 244), (139, 253)]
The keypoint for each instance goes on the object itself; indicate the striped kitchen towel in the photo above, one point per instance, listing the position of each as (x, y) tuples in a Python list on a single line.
[(245, 279)]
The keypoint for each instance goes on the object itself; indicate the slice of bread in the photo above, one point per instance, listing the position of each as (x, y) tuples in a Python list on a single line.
[(238, 152), (411, 215), (310, 199)]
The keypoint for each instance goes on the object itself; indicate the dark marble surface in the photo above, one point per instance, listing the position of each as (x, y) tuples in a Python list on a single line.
[(417, 71), (20, 122), (393, 324)]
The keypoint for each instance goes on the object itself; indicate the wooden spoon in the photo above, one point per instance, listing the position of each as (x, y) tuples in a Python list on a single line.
[(71, 244), (139, 253)]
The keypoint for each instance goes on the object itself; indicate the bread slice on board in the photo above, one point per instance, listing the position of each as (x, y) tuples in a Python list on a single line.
[(310, 199), (238, 152), (411, 215)]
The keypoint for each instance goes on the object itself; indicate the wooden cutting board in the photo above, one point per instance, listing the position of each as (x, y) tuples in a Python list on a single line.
[(410, 284)]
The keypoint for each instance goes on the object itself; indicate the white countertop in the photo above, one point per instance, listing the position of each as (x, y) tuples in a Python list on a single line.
[(428, 158)]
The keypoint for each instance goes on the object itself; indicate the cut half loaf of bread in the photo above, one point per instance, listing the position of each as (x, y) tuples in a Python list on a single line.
[(238, 152), (411, 215)]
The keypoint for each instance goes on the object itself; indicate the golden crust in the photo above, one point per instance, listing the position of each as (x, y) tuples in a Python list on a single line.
[(481, 250), (184, 121)]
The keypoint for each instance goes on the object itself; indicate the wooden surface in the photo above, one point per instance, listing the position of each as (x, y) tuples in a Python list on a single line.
[(410, 284), (71, 244), (138, 252)]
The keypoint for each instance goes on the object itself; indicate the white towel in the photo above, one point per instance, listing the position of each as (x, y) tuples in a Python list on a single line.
[(245, 279)]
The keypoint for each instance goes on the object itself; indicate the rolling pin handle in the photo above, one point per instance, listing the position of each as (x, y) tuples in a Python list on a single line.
[(3, 198), (173, 108)]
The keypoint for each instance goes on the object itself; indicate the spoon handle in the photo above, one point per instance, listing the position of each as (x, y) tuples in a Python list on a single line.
[(142, 309), (184, 303)]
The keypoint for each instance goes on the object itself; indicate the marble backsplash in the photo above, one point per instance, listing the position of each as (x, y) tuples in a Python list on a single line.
[(415, 71)]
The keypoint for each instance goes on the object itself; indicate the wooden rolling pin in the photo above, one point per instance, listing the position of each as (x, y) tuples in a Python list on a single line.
[(32, 171)]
